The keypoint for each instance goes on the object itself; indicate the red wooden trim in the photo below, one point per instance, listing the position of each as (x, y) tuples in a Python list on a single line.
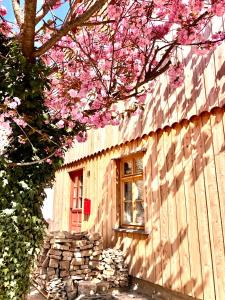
[(73, 175)]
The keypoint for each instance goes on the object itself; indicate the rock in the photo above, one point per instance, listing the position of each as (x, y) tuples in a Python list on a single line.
[(79, 243), (78, 277), (89, 246), (61, 234), (55, 252), (57, 257), (46, 246), (67, 253), (77, 254), (60, 247), (50, 271), (43, 271), (77, 261), (64, 273), (102, 287), (109, 272), (72, 268), (94, 236), (93, 263), (60, 241), (72, 295), (53, 263), (87, 288), (64, 265), (86, 253), (98, 248), (84, 267), (95, 253)]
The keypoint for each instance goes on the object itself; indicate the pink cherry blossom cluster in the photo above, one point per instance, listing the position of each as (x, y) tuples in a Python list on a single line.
[(3, 11), (176, 75), (5, 27), (218, 7), (101, 65), (9, 115)]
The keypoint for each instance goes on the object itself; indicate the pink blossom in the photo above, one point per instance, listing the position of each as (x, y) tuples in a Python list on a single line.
[(72, 93), (60, 124), (5, 28), (3, 11), (21, 139), (59, 153), (20, 122), (112, 62), (81, 137), (13, 105), (218, 7), (176, 75)]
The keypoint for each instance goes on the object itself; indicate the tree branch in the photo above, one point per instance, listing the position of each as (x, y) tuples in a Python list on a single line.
[(68, 26), (39, 161), (44, 10), (17, 12), (28, 33)]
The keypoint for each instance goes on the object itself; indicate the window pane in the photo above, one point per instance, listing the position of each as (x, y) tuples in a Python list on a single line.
[(80, 202), (74, 191), (127, 168), (128, 213), (128, 190), (74, 204), (139, 219), (138, 165), (138, 190)]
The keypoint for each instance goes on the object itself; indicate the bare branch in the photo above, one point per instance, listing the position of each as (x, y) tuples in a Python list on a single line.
[(154, 72), (28, 33), (35, 162), (44, 10), (17, 12), (78, 21)]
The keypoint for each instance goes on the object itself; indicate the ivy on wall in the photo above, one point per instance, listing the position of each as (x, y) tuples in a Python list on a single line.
[(22, 182)]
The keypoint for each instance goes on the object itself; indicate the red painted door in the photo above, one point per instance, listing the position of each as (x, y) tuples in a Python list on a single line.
[(76, 200)]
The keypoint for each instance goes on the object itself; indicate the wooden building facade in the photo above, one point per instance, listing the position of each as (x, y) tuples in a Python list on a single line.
[(156, 183)]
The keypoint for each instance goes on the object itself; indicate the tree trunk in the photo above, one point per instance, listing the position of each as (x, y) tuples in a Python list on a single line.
[(28, 30)]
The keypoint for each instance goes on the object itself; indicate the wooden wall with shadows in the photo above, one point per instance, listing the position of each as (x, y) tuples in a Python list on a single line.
[(184, 174), (183, 131)]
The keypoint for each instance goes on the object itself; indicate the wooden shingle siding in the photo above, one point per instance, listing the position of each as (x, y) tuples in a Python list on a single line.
[(184, 175)]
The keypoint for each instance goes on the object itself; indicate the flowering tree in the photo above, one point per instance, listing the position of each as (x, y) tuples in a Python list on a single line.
[(64, 66)]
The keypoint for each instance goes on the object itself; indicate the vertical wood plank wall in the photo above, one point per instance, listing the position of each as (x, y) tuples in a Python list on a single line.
[(184, 170)]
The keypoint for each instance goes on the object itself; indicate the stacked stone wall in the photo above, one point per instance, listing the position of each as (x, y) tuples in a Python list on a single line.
[(71, 264)]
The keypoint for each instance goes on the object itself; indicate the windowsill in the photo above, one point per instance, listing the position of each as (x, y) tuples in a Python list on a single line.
[(130, 230)]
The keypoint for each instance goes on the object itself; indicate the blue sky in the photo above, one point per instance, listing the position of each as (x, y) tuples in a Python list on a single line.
[(61, 12)]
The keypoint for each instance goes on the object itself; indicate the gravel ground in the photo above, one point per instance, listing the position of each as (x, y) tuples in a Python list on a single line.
[(35, 295)]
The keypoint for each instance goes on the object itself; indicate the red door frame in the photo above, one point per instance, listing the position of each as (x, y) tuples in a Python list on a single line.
[(76, 200)]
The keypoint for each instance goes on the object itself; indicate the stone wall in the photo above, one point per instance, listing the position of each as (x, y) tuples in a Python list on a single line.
[(71, 264)]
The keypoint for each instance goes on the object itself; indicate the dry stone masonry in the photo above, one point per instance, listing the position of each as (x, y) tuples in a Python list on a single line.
[(74, 264)]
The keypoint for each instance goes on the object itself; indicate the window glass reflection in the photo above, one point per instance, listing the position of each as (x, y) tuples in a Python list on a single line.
[(128, 213), (127, 168), (128, 191), (138, 165)]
